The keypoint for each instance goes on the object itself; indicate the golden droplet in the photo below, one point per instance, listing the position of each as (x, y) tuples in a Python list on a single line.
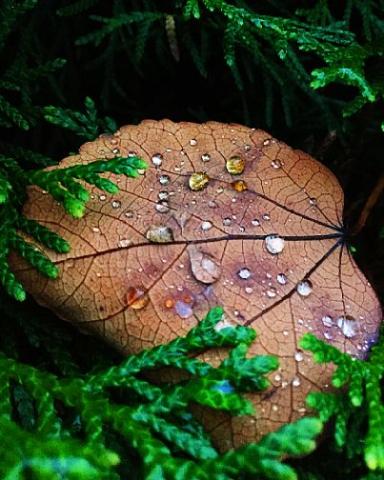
[(239, 186), (136, 298), (198, 181), (169, 303), (159, 234), (235, 165)]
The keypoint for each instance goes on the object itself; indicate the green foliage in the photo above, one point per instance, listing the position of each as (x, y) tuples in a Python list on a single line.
[(363, 404), (156, 422)]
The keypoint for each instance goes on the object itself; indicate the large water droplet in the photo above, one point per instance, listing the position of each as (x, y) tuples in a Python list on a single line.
[(274, 244), (281, 278), (198, 181), (244, 273), (164, 179), (205, 157), (348, 325), (327, 321), (157, 159), (136, 298), (169, 302), (204, 267), (239, 186), (304, 288), (235, 165), (159, 234)]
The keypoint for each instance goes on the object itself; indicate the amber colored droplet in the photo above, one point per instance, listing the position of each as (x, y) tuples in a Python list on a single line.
[(187, 298), (239, 186), (169, 303), (235, 165), (136, 298), (198, 181)]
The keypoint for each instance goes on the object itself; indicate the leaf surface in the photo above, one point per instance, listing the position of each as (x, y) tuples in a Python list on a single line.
[(225, 215)]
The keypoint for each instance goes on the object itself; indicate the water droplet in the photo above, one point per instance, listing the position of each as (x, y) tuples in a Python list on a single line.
[(115, 151), (169, 303), (163, 195), (227, 222), (162, 207), (327, 321), (102, 197), (193, 142), (157, 159), (271, 292), (296, 382), (247, 147), (274, 244), (276, 164), (116, 204), (132, 154), (212, 204), (220, 189), (348, 325), (304, 288), (183, 309), (159, 234), (235, 165), (136, 298), (223, 323), (328, 335), (244, 273), (128, 214), (164, 179), (312, 201), (267, 142), (299, 357), (124, 242), (206, 225), (266, 217), (204, 267), (198, 181), (205, 157), (248, 289), (239, 186), (255, 222), (281, 278)]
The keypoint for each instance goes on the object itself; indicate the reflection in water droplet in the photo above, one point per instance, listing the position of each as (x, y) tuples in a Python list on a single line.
[(198, 181), (205, 157), (124, 242), (206, 225), (266, 217), (327, 321), (276, 163), (244, 273), (227, 222), (348, 325), (212, 204), (239, 186), (274, 244), (281, 278), (157, 159), (299, 356), (304, 288), (164, 179), (136, 298), (159, 234), (193, 142), (184, 310), (116, 204), (235, 165), (255, 222)]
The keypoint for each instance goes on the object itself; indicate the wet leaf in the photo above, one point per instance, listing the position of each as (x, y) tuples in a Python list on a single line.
[(272, 254)]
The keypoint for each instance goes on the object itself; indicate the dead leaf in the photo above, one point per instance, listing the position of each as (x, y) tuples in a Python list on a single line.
[(225, 215)]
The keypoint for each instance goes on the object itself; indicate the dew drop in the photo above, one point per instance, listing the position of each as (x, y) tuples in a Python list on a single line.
[(128, 214), (274, 244), (205, 157), (157, 159), (198, 181), (227, 222), (223, 323), (327, 321), (115, 151), (276, 164), (348, 325), (163, 195), (277, 377), (162, 207), (102, 197), (169, 303), (124, 242), (235, 165), (204, 267), (267, 142), (159, 234), (328, 335), (271, 292), (220, 189), (164, 179), (183, 309), (296, 382), (312, 201), (255, 222), (193, 142), (136, 298), (266, 217), (116, 204), (299, 357), (244, 273), (304, 288), (239, 186), (281, 278), (206, 225)]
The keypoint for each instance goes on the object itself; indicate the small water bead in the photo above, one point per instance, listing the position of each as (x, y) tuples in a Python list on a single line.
[(235, 165), (277, 377), (198, 180), (227, 222), (124, 242), (244, 273), (348, 325), (193, 142), (220, 189), (159, 234), (276, 163), (266, 217), (267, 142), (327, 321), (255, 222), (96, 229), (299, 357), (281, 278), (296, 382), (183, 309), (212, 204), (116, 204), (115, 151), (157, 159), (129, 214), (102, 197), (312, 201), (206, 225), (205, 157), (162, 207), (328, 335), (136, 298), (248, 289), (169, 303), (239, 186), (304, 288), (163, 195), (164, 179), (271, 292), (274, 244), (132, 154)]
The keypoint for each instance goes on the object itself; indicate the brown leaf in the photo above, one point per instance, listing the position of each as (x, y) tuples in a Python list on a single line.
[(225, 215)]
